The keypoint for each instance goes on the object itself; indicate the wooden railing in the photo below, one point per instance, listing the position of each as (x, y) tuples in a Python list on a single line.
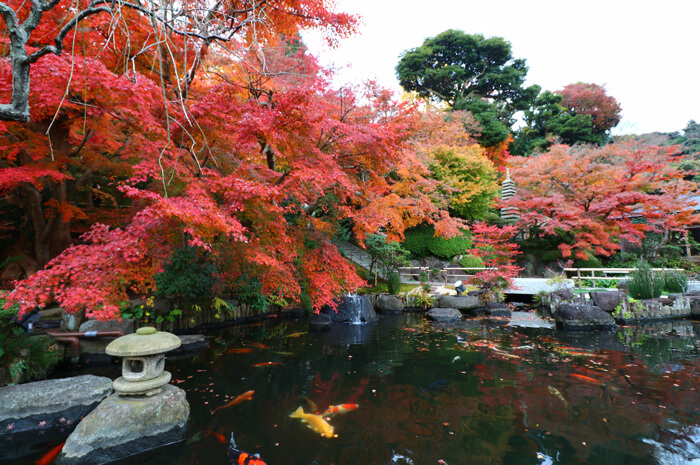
[(411, 274), (605, 274)]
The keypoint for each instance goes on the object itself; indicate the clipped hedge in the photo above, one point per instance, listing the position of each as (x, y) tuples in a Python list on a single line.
[(471, 261), (422, 242)]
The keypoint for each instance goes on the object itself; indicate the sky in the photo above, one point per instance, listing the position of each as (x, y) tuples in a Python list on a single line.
[(645, 53)]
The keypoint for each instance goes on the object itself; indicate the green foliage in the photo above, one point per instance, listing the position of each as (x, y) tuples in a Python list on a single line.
[(248, 290), (393, 283), (495, 128), (420, 298), (600, 283), (385, 255), (417, 241), (675, 282), (470, 72), (305, 301), (146, 314), (591, 262), (471, 261), (448, 248), (644, 283), (187, 275), (470, 178), (22, 357), (551, 256), (422, 242)]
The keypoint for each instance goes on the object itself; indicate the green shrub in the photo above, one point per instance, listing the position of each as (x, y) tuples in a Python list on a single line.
[(551, 256), (248, 290), (393, 283), (22, 357), (422, 242), (445, 249), (591, 262), (417, 240), (675, 283), (644, 283), (471, 261), (185, 276)]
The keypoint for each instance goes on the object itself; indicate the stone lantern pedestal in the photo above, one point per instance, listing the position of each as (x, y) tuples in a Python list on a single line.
[(144, 413)]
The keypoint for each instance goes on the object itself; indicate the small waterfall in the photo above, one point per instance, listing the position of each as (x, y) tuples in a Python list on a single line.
[(353, 309)]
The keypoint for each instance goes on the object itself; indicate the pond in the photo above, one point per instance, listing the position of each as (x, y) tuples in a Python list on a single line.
[(481, 392)]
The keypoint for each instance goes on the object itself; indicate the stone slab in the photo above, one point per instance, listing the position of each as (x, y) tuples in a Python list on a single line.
[(47, 404)]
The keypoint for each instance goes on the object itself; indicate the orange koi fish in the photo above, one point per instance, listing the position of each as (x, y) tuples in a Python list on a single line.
[(245, 396), (218, 436), (266, 364), (51, 455), (240, 350), (586, 378), (258, 345), (333, 410)]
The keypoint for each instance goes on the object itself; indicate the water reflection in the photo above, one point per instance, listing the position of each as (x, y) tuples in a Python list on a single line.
[(474, 393)]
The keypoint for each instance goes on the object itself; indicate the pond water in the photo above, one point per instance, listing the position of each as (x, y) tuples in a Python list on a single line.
[(481, 392)]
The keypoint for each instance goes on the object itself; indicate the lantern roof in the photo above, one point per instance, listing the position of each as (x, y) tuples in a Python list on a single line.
[(146, 341)]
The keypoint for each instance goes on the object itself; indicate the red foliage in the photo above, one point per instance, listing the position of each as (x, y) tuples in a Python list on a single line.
[(493, 245), (591, 99), (598, 194)]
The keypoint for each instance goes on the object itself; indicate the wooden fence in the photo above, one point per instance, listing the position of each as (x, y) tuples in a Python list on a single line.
[(593, 275), (411, 274)]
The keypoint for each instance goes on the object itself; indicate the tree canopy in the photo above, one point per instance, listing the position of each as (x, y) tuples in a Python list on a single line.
[(469, 72), (601, 195)]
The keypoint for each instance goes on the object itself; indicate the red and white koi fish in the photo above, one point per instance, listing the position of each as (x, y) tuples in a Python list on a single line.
[(239, 457), (334, 410)]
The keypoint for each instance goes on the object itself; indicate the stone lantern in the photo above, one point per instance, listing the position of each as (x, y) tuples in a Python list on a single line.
[(143, 361)]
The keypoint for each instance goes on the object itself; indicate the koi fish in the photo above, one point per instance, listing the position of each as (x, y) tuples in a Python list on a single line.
[(312, 404), (297, 334), (316, 422), (258, 345), (218, 436), (266, 364), (334, 410), (238, 457), (240, 350), (51, 455), (555, 392), (245, 396), (586, 378)]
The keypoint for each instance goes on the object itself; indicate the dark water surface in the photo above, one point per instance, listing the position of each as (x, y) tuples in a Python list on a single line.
[(484, 392)]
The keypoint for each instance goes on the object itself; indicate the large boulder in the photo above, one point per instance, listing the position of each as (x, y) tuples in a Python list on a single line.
[(444, 315), (583, 317), (497, 309), (607, 300), (123, 425), (695, 307), (50, 404), (462, 302), (352, 309), (388, 304)]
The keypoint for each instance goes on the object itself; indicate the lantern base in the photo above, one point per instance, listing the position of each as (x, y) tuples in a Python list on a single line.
[(147, 387)]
